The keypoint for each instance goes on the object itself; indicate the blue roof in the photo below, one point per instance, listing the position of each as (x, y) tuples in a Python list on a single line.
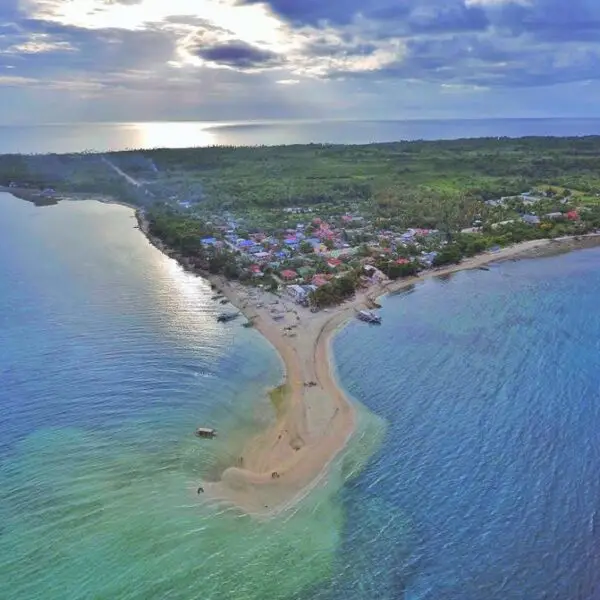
[(209, 240)]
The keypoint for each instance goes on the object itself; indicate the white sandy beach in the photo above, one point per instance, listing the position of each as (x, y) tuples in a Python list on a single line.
[(313, 423)]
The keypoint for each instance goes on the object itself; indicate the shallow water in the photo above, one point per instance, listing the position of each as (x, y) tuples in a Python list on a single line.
[(110, 357)]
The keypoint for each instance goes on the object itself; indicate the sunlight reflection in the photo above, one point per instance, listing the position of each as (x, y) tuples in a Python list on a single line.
[(171, 135), (187, 304)]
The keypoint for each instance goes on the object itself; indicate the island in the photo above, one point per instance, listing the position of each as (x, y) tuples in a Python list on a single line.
[(301, 239)]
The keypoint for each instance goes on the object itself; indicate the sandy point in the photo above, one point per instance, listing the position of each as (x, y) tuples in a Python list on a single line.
[(313, 417)]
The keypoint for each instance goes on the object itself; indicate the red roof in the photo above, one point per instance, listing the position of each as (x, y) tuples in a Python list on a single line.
[(334, 262), (319, 280), (402, 261), (289, 274), (255, 269), (573, 215)]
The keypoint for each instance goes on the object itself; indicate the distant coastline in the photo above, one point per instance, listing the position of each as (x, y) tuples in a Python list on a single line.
[(113, 137)]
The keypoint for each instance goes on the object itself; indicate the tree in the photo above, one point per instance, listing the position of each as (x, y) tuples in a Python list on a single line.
[(306, 247), (448, 255)]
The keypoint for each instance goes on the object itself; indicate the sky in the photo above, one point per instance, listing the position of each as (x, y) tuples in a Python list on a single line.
[(237, 60)]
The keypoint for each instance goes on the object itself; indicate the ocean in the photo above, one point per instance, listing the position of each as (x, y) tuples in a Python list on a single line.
[(104, 137), (111, 356), (474, 474), (490, 384)]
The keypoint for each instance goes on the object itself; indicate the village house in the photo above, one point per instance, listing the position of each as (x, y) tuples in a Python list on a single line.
[(289, 275), (297, 292), (319, 280), (427, 258), (531, 219)]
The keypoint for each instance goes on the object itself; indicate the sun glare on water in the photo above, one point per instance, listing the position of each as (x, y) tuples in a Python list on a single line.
[(171, 135)]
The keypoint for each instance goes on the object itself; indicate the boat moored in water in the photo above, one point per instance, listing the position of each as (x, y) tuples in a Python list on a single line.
[(206, 432), (368, 316), (226, 317)]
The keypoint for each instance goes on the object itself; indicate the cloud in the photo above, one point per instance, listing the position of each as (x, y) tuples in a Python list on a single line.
[(237, 54), (407, 16), (307, 55)]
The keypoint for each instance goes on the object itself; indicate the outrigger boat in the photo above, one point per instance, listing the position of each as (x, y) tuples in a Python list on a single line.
[(226, 317), (368, 316), (206, 432)]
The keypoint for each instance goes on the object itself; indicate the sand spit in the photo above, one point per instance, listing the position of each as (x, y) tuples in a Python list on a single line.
[(314, 419)]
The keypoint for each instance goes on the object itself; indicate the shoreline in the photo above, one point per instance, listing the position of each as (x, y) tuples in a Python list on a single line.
[(531, 249), (314, 419), (313, 424)]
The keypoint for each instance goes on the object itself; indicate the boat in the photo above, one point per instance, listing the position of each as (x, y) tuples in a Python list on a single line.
[(368, 316), (206, 432), (226, 317)]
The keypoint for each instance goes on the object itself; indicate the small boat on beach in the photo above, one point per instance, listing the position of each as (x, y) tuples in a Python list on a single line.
[(368, 316), (226, 317), (206, 432)]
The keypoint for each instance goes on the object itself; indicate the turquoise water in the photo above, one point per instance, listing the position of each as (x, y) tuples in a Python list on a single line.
[(485, 485), (110, 357)]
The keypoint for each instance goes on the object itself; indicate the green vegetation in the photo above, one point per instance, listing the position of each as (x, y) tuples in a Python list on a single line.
[(427, 184), (336, 291), (410, 175), (475, 194), (183, 234)]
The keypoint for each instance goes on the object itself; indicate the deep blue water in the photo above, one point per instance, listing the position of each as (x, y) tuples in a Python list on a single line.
[(490, 383), (487, 386), (102, 137)]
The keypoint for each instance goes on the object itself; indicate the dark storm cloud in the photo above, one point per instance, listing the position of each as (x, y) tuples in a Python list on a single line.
[(236, 54)]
